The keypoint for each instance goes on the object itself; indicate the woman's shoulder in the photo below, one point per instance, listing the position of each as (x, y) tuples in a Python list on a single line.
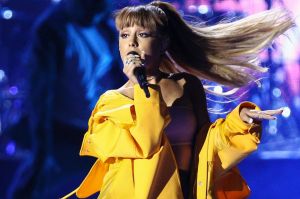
[(111, 96)]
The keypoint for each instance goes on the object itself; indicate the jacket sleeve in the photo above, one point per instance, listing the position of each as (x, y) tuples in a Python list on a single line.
[(107, 139), (234, 139)]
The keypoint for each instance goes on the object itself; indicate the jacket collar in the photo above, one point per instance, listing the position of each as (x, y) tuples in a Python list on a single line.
[(117, 107)]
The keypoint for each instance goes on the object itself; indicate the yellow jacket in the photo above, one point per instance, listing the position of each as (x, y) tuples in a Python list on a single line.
[(135, 159)]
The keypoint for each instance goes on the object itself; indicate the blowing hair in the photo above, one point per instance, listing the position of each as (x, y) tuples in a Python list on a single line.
[(226, 53)]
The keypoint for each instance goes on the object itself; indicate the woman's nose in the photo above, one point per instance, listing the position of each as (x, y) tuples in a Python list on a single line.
[(133, 42)]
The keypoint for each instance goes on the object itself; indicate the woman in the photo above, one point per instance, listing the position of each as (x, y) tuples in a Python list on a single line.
[(164, 146)]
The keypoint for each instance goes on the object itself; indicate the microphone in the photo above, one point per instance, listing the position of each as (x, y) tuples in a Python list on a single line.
[(140, 74)]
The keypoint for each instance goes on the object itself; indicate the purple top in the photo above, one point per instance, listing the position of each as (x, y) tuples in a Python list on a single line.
[(182, 128)]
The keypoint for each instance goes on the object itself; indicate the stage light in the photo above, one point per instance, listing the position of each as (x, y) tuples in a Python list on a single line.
[(279, 76), (272, 127), (192, 8), (276, 92), (273, 130), (56, 1), (218, 89), (2, 75), (7, 13), (297, 102), (10, 148), (13, 90), (286, 112), (203, 9)]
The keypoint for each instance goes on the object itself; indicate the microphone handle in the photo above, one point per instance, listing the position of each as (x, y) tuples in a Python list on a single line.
[(140, 75)]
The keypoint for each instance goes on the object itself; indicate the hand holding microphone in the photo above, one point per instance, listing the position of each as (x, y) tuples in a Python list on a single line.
[(135, 71)]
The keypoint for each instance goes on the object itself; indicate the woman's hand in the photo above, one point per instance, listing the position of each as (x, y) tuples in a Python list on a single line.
[(251, 115), (131, 62)]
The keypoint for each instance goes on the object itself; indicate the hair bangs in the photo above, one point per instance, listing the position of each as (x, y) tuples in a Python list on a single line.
[(149, 17)]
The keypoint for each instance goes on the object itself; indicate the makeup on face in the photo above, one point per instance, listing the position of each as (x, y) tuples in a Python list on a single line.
[(134, 40)]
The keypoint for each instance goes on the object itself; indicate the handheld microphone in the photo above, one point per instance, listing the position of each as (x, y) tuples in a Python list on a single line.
[(140, 74)]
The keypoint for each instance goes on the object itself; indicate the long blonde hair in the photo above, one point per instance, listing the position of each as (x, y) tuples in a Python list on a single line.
[(226, 53)]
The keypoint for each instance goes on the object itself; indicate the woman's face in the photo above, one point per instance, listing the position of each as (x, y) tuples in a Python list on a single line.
[(142, 41)]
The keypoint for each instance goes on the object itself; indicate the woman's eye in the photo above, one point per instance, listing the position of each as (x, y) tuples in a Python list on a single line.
[(144, 34), (123, 35)]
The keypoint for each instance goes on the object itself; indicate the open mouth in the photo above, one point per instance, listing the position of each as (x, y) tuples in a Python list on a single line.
[(133, 53)]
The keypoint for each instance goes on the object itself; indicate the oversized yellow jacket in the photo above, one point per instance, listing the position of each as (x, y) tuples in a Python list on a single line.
[(135, 159)]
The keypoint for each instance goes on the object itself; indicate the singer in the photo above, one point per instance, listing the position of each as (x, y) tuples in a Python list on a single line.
[(165, 146)]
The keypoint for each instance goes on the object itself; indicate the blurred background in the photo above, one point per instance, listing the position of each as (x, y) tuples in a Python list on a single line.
[(58, 56)]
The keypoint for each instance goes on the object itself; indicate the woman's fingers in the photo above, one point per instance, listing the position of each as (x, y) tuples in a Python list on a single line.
[(262, 115), (130, 63), (134, 60), (250, 115), (269, 112)]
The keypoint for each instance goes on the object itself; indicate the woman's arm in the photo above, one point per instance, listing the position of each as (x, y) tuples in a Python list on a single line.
[(234, 139), (239, 134)]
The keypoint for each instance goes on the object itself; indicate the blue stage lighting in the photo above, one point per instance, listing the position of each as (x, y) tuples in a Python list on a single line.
[(276, 92), (297, 102), (192, 8), (13, 90), (218, 89), (203, 9), (286, 112), (7, 13), (10, 148), (2, 75)]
